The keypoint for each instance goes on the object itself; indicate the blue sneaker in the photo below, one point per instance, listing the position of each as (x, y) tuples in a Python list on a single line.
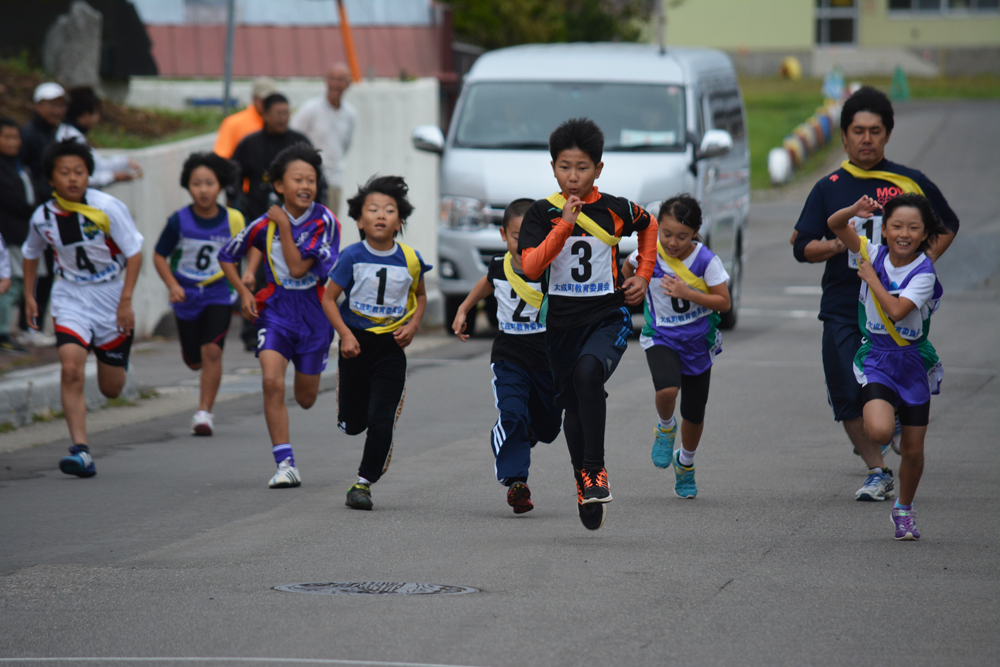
[(684, 485), (79, 462), (663, 446)]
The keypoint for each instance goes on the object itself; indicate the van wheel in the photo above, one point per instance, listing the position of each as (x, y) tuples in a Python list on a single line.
[(728, 319), (451, 305)]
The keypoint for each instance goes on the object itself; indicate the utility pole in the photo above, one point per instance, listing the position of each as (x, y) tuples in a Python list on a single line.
[(228, 78), (661, 26)]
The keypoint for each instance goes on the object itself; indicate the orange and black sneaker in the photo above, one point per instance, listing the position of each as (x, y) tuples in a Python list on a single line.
[(591, 515), (595, 486), (519, 497)]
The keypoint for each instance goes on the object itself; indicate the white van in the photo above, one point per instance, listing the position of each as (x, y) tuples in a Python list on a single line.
[(672, 123)]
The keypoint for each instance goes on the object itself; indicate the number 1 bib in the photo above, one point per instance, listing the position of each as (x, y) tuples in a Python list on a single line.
[(582, 268), (867, 228)]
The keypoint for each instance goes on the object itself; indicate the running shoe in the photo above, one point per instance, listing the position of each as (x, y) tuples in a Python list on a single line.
[(905, 522), (663, 446), (36, 338), (684, 485), (897, 432), (8, 344), (79, 462), (878, 486), (595, 486), (287, 476), (591, 516), (202, 423), (519, 497), (359, 497)]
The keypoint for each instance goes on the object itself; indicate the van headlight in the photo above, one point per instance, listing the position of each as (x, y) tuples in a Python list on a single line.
[(464, 213)]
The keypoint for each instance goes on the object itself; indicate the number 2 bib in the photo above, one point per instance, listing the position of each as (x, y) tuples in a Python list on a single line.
[(582, 268)]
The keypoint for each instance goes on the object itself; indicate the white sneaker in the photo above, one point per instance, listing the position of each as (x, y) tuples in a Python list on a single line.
[(36, 338), (878, 487), (201, 423), (287, 476)]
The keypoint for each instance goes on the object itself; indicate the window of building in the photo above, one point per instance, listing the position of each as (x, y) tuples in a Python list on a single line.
[(836, 21), (944, 6)]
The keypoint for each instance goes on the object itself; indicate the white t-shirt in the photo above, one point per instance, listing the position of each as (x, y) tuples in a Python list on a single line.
[(715, 272), (84, 254), (920, 291), (330, 131)]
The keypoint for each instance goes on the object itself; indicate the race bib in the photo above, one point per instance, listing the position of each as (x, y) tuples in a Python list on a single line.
[(199, 258), (671, 311), (582, 268), (380, 291), (284, 276), (866, 228), (514, 314)]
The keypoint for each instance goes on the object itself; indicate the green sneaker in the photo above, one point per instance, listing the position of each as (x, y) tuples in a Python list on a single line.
[(359, 497), (684, 485), (663, 446)]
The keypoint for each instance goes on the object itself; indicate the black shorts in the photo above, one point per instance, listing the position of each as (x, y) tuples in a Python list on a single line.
[(211, 326), (841, 341), (909, 415), (665, 367), (115, 353), (605, 339)]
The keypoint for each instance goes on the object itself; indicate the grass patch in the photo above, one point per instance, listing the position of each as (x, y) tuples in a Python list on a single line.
[(119, 402), (775, 106), (7, 427), (47, 416), (148, 393)]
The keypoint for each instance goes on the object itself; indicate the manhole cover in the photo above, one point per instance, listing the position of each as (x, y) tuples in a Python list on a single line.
[(375, 588)]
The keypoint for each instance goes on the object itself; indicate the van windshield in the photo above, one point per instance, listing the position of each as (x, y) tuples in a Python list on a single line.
[(521, 115)]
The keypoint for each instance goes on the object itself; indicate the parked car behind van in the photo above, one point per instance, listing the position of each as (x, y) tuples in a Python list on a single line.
[(672, 123)]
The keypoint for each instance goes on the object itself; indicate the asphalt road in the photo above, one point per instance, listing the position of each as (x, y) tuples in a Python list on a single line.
[(170, 555)]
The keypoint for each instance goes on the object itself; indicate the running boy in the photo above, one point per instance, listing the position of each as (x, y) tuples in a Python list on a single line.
[(201, 297), (574, 234), (299, 241), (896, 366), (384, 302), (522, 379), (681, 336), (94, 240)]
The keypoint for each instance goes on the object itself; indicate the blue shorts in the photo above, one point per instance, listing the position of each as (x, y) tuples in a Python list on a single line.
[(605, 338), (841, 341), (294, 325)]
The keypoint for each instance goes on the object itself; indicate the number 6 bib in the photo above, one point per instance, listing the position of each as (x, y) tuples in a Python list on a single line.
[(582, 268)]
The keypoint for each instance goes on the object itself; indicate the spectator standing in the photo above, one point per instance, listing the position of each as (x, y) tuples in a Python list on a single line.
[(17, 201), (237, 126), (83, 113), (329, 120)]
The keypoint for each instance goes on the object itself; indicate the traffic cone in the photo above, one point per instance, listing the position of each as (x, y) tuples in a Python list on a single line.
[(899, 89)]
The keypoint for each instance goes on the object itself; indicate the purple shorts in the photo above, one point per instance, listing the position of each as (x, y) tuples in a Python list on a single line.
[(294, 325)]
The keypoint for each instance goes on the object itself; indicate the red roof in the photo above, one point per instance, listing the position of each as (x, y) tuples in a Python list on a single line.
[(280, 51)]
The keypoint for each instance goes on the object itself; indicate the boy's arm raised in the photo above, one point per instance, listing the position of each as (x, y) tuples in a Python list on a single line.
[(482, 289)]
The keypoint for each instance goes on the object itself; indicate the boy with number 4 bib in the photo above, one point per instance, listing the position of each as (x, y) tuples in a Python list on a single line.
[(681, 336), (573, 235), (94, 240), (199, 292), (522, 380), (384, 302)]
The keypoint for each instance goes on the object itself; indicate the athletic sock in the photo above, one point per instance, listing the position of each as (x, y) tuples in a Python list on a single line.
[(667, 424), (685, 458), (362, 480), (874, 471), (904, 507), (282, 452)]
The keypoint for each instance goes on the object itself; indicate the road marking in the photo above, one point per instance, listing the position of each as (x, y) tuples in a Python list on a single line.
[(789, 314), (296, 661), (804, 290)]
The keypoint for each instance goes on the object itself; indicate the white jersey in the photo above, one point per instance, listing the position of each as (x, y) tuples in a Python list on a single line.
[(84, 254), (582, 268), (869, 229)]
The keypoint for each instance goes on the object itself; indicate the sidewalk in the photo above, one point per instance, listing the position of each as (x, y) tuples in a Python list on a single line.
[(159, 384)]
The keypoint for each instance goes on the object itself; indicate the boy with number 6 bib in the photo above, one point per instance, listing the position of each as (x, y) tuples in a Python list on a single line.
[(573, 235), (384, 302), (522, 379)]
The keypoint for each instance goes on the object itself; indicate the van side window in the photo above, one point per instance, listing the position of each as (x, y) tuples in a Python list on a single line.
[(725, 112)]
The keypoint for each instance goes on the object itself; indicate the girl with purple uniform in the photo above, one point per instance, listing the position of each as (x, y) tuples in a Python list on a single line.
[(897, 366), (300, 242), (186, 259), (681, 336)]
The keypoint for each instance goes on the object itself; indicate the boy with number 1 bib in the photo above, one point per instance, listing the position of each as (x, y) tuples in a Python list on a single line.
[(574, 235), (384, 302)]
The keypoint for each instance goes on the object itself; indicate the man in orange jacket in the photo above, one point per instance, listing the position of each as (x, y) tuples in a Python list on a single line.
[(245, 122)]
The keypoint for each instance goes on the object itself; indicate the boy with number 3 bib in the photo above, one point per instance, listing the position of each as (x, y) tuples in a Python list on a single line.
[(574, 235), (384, 302)]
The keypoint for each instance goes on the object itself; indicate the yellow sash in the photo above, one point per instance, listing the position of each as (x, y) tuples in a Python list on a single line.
[(529, 294), (585, 222), (902, 182), (236, 224), (890, 328), (271, 229), (95, 215), (681, 271), (413, 266)]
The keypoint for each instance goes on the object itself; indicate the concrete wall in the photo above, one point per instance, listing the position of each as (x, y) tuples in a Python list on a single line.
[(387, 113), (737, 25), (920, 30)]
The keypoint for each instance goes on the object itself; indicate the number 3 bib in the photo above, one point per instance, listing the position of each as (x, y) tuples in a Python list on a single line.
[(582, 268)]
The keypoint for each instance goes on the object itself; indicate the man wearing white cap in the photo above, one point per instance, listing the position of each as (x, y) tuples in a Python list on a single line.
[(245, 122)]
